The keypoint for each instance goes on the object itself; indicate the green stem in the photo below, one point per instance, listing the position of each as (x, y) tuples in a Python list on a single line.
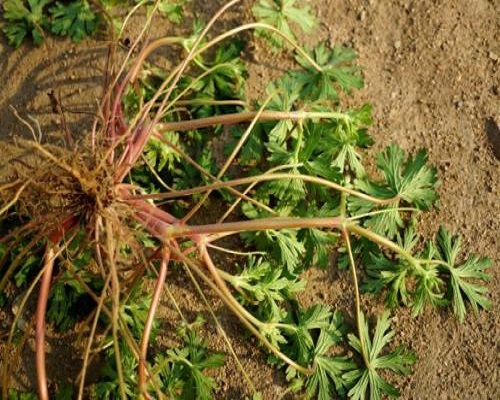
[(345, 233), (260, 25), (376, 212), (383, 241), (264, 178), (250, 187), (209, 102), (224, 289), (238, 253), (357, 302)]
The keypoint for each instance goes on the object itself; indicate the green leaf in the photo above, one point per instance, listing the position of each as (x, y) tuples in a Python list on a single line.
[(180, 372), (310, 319), (392, 275), (463, 277), (14, 10), (161, 155), (410, 181), (65, 392), (265, 287), (318, 242), (288, 191), (367, 377), (342, 139), (252, 151), (14, 394), (26, 269), (227, 81), (68, 299), (134, 313), (398, 276), (75, 20), (341, 142), (23, 20), (385, 274), (186, 175), (107, 388), (279, 13), (329, 371), (284, 95), (172, 9), (282, 245), (337, 72), (428, 289)]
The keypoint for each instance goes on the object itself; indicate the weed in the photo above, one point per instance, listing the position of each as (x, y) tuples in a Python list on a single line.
[(117, 209), (75, 19)]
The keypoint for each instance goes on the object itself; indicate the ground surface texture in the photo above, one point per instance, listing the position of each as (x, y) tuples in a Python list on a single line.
[(432, 74)]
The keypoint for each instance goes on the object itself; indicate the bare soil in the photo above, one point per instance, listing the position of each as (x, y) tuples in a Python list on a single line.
[(432, 74)]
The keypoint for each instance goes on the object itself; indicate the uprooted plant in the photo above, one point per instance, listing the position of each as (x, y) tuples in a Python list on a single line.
[(117, 206)]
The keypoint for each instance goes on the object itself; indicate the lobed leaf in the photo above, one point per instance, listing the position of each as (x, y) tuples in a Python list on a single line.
[(279, 13), (368, 378), (329, 376), (172, 9), (265, 287), (23, 20), (337, 72), (464, 277), (409, 181)]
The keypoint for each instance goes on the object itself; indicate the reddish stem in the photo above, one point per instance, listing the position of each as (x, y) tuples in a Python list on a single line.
[(43, 296), (155, 212), (54, 237), (149, 322), (229, 119), (260, 224), (57, 234), (133, 151), (165, 227)]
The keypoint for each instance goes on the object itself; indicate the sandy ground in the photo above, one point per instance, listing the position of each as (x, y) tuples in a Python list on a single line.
[(432, 74)]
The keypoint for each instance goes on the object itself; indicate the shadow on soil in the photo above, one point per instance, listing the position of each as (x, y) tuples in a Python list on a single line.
[(67, 76)]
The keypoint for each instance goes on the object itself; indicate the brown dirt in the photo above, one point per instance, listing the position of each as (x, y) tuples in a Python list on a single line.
[(432, 74)]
